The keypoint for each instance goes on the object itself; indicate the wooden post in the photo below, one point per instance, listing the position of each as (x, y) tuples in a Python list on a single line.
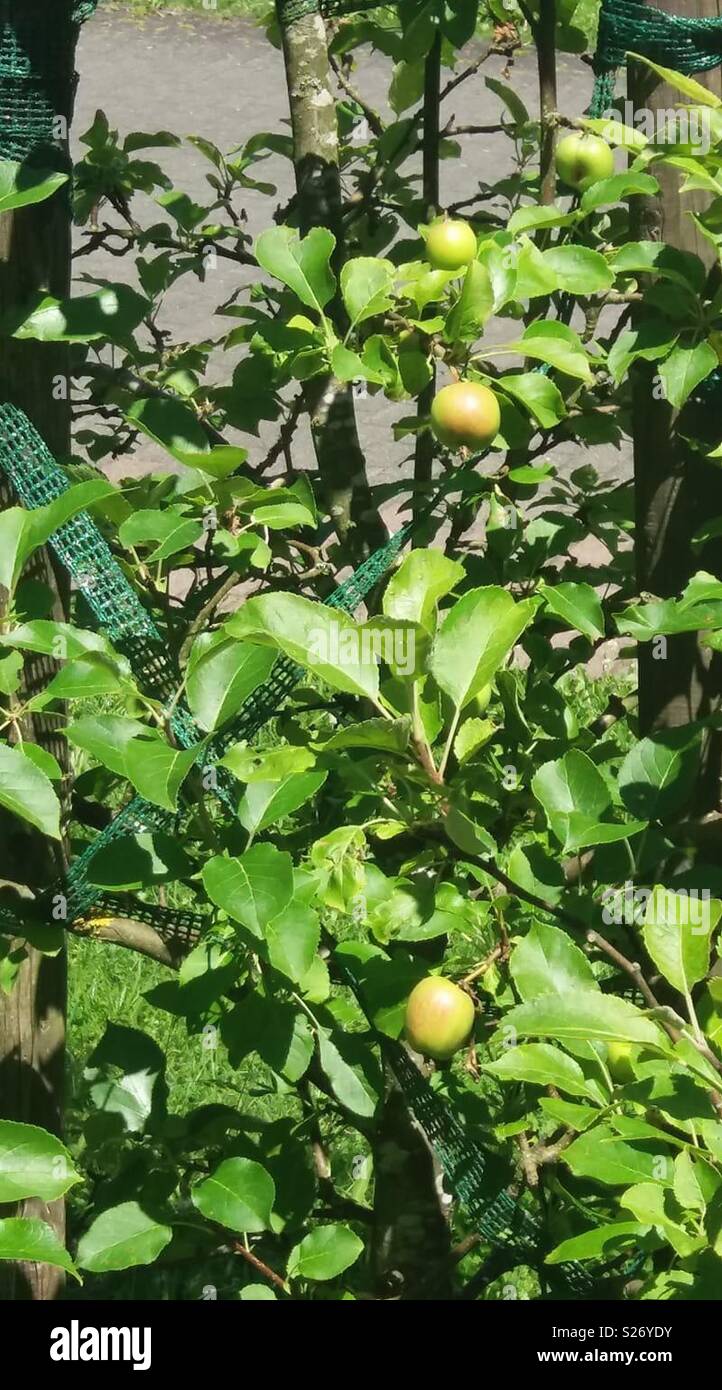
[(675, 489), (35, 256)]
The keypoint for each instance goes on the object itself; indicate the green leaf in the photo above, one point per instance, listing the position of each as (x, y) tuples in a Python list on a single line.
[(91, 676), (475, 639), (28, 792), (22, 532), (681, 83), (303, 264), (513, 102), (167, 532), (60, 640), (127, 1075), (407, 85), (349, 1082), (585, 1015), (684, 369), (106, 738), (320, 638), (279, 1032), (35, 1242), (253, 889), (538, 395), (366, 284), (574, 795), (617, 189), (540, 1064), (324, 1254), (137, 861), (221, 676), (384, 735), (533, 216), (579, 270), (552, 343), (578, 605), (156, 769), (547, 961), (651, 1205), (602, 1155), (293, 939), (22, 185), (677, 933), (33, 1163), (265, 803), (177, 429), (413, 592), (271, 765), (659, 773), (602, 1242), (122, 1237), (110, 312), (239, 1194), (474, 306)]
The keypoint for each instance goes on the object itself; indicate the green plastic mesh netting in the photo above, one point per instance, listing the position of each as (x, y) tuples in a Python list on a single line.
[(687, 45), (37, 54)]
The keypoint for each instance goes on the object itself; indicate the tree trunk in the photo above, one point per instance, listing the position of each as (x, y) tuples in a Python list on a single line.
[(342, 467), (675, 489), (546, 53), (411, 1244), (35, 256), (425, 444)]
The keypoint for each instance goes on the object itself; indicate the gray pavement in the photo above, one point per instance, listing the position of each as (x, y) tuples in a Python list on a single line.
[(223, 79)]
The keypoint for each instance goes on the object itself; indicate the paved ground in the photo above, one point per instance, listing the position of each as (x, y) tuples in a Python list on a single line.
[(223, 79)]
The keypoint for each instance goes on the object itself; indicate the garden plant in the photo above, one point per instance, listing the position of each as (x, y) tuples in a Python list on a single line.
[(405, 796)]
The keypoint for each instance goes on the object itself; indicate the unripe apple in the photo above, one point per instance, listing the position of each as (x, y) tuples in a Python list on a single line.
[(465, 415), (439, 1018), (583, 159), (450, 244), (619, 1061)]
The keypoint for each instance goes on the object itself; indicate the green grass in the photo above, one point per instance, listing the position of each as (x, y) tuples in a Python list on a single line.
[(107, 984)]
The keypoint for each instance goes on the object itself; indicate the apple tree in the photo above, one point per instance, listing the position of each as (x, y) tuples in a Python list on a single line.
[(405, 861)]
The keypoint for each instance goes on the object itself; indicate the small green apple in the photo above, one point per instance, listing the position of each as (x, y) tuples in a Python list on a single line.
[(465, 415), (439, 1017), (450, 244), (583, 159)]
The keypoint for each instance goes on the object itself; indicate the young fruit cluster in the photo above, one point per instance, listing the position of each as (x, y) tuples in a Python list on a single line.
[(464, 415)]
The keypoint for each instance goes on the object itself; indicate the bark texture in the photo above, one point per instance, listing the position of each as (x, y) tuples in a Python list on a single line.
[(341, 463), (411, 1248), (675, 488), (34, 257)]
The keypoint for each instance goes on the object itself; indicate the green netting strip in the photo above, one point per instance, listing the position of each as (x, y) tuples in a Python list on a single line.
[(37, 49), (688, 45)]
